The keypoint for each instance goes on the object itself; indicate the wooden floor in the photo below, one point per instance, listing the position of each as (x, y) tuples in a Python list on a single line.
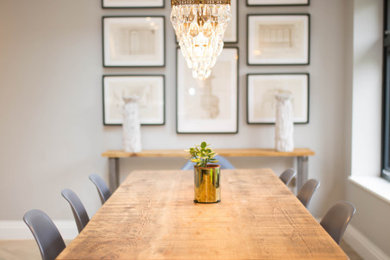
[(27, 249), (19, 249)]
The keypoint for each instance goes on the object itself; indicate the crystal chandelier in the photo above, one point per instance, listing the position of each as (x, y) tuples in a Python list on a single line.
[(200, 26)]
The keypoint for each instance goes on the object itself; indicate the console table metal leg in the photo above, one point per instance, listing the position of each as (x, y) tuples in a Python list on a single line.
[(113, 173), (302, 171)]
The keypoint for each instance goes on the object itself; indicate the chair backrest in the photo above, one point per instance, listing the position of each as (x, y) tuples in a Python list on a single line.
[(46, 234), (287, 176), (222, 161), (78, 210), (337, 218), (104, 192), (306, 192)]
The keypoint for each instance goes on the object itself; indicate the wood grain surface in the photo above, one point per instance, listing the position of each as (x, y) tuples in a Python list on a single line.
[(224, 152), (152, 216)]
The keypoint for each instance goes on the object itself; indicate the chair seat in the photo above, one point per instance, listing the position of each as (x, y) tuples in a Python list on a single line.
[(104, 192), (337, 218), (79, 213), (305, 194), (287, 176), (46, 234)]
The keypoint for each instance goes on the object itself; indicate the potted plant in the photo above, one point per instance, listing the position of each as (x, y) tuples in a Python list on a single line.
[(207, 174)]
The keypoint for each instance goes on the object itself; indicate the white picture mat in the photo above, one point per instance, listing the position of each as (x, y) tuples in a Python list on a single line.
[(261, 96), (277, 2), (192, 116), (231, 30), (149, 89), (134, 41), (133, 3), (278, 39)]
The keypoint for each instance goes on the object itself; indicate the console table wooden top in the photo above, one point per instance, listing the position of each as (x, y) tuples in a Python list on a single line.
[(245, 152)]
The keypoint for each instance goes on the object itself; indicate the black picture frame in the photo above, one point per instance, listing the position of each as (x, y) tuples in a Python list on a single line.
[(105, 65), (235, 131), (307, 75), (248, 50), (274, 5), (133, 7), (105, 123)]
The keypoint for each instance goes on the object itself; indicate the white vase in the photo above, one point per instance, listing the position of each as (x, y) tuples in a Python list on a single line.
[(284, 125), (131, 125)]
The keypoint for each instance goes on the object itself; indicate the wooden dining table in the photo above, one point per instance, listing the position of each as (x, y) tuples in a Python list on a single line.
[(152, 216)]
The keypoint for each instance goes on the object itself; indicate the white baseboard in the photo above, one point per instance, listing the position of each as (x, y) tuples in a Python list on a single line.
[(17, 230), (363, 246)]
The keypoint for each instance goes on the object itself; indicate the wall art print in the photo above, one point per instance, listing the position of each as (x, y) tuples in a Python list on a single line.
[(133, 41), (208, 106), (261, 92), (150, 90)]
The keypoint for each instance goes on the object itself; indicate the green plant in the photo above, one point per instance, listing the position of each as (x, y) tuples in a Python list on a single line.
[(202, 155)]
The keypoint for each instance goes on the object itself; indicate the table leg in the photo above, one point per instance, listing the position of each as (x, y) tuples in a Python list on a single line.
[(302, 175), (113, 173)]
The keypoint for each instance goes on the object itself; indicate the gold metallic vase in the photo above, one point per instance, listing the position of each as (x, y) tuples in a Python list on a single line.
[(207, 185)]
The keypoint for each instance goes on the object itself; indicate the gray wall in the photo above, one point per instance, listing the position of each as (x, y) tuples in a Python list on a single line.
[(51, 132)]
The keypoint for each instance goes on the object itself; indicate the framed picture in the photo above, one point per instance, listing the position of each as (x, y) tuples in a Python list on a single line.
[(275, 39), (231, 33), (149, 88), (277, 2), (261, 91), (133, 4), (208, 106), (133, 41)]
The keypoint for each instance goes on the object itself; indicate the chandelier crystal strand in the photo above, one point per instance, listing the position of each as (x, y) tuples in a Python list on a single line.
[(200, 26)]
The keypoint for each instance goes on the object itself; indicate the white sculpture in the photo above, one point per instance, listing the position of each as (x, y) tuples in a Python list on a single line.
[(284, 125), (131, 125)]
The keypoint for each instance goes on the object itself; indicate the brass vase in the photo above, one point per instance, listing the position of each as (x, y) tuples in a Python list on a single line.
[(207, 186)]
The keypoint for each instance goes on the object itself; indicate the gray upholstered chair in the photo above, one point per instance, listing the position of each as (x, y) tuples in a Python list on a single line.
[(46, 234), (225, 164), (79, 213), (287, 176), (306, 192), (337, 218), (104, 192)]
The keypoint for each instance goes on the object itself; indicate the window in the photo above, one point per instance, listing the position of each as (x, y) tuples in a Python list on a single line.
[(386, 96)]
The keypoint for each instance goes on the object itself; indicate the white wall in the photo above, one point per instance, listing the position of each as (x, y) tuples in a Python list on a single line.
[(51, 132), (371, 219), (363, 125), (367, 87)]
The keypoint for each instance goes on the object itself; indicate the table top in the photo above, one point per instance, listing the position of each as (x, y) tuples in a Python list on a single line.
[(152, 216), (245, 152)]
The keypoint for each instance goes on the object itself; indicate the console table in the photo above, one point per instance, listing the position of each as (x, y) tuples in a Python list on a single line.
[(302, 155)]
